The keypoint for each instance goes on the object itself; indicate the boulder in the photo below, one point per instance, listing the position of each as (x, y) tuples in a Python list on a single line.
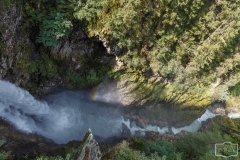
[(218, 108)]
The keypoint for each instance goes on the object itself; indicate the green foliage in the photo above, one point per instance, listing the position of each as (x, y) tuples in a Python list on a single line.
[(160, 148), (191, 146), (133, 60), (187, 43), (126, 153), (199, 146), (213, 157), (43, 69), (88, 9), (92, 76), (54, 27), (196, 145), (90, 73), (69, 155), (1, 142), (7, 3), (221, 93), (234, 79), (52, 158), (4, 155), (33, 17)]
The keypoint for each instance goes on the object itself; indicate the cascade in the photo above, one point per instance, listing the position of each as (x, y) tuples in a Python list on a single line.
[(61, 117), (67, 115)]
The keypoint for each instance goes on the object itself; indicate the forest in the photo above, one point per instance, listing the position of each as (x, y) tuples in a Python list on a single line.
[(191, 46)]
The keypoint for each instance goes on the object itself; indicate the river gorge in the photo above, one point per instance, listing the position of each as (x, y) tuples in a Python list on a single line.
[(66, 116), (151, 79)]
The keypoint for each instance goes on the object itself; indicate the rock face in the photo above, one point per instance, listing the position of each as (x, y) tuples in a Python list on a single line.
[(218, 108), (19, 53), (10, 38), (79, 43), (90, 149), (19, 144)]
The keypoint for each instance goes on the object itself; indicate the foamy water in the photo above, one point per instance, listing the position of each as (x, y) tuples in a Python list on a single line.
[(62, 117)]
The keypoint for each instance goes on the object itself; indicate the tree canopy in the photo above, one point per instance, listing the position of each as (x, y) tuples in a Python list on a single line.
[(188, 43)]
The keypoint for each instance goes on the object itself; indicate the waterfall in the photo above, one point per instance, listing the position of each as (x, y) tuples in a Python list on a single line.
[(66, 116), (62, 117)]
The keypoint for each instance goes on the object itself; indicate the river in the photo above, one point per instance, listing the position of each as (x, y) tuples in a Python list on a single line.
[(67, 115)]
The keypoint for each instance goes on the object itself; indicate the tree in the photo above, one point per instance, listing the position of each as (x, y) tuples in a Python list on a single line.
[(54, 27)]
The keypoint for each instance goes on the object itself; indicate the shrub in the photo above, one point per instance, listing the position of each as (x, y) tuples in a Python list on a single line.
[(43, 69), (90, 73), (50, 158), (54, 27), (124, 152), (196, 145), (3, 155), (235, 90), (161, 148)]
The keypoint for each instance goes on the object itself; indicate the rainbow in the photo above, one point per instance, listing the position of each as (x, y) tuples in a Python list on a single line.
[(94, 93)]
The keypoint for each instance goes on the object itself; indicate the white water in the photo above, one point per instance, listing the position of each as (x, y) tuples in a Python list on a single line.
[(234, 115), (196, 125), (68, 115), (61, 117)]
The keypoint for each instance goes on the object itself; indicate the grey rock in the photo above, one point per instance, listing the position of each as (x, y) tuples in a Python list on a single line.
[(218, 108), (90, 149), (9, 23)]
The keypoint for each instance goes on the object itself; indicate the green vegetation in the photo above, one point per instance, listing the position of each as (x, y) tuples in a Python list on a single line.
[(50, 158), (38, 70), (54, 27), (1, 142), (181, 42), (47, 23), (69, 154), (186, 45), (3, 155), (235, 90), (45, 67), (197, 146), (123, 151), (7, 3), (161, 148), (90, 73), (174, 51)]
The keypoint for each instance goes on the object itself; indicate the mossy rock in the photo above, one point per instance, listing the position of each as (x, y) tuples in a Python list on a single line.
[(222, 123), (146, 89)]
